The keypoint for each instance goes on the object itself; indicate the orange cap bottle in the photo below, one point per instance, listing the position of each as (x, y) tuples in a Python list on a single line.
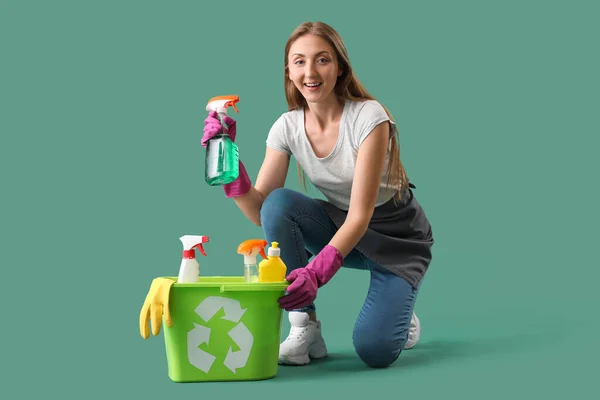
[(249, 249)]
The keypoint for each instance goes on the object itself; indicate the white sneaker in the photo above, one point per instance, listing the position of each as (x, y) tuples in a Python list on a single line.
[(413, 333), (304, 342)]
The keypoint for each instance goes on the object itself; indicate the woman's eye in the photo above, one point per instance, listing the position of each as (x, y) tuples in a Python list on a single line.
[(320, 60)]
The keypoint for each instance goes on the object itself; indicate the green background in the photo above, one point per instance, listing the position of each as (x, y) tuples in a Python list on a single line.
[(101, 115)]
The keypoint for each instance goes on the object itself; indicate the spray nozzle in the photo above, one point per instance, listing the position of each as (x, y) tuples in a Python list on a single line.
[(220, 103), (250, 248), (193, 241)]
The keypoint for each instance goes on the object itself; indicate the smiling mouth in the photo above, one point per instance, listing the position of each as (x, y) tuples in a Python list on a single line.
[(313, 85)]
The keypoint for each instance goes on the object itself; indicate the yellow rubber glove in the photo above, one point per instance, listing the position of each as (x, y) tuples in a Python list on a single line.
[(156, 305)]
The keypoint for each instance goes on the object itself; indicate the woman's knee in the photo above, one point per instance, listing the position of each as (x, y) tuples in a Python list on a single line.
[(278, 204), (378, 353), (376, 348)]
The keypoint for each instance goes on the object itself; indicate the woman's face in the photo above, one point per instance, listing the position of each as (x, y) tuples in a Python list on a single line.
[(313, 68)]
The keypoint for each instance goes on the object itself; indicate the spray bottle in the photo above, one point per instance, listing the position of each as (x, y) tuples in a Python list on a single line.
[(222, 153), (272, 269), (250, 248), (189, 268)]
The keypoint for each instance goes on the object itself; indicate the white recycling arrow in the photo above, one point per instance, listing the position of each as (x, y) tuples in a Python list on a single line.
[(209, 307), (196, 356), (244, 339), (239, 333)]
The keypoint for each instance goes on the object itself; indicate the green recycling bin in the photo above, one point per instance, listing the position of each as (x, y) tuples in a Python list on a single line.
[(224, 329)]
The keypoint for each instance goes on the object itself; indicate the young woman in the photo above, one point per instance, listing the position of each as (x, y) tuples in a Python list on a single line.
[(346, 143)]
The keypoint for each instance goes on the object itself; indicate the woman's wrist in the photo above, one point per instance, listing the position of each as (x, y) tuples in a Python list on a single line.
[(240, 186)]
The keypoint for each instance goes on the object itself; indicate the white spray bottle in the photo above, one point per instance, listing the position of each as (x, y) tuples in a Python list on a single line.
[(189, 270)]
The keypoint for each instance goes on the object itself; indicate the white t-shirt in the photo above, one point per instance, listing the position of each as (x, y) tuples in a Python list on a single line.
[(333, 174)]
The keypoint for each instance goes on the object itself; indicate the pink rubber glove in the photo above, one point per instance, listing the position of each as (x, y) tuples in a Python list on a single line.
[(304, 282), (213, 127)]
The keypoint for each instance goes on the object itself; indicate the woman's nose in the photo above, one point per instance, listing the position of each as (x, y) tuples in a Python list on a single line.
[(310, 69)]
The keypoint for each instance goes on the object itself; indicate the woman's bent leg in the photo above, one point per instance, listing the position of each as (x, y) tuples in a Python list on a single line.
[(382, 327), (299, 223)]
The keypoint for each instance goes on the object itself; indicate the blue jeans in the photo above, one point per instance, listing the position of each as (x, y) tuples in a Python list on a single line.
[(299, 223)]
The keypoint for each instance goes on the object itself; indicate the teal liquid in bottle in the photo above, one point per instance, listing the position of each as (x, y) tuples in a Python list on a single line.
[(222, 160)]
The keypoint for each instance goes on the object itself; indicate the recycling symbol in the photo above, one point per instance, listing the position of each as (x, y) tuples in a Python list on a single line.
[(201, 334)]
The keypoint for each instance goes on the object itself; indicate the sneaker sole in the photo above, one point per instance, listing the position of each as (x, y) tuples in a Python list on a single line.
[(298, 360), (315, 352)]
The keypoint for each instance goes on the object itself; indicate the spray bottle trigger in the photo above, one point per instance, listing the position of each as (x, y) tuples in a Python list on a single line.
[(232, 104), (199, 247), (262, 253)]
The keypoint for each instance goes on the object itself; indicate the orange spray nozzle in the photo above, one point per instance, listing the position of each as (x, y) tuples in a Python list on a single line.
[(223, 102), (248, 247)]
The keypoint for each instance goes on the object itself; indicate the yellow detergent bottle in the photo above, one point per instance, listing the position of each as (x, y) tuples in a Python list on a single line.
[(273, 268)]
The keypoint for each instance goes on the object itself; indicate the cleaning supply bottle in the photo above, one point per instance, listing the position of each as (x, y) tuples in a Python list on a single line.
[(222, 155), (272, 269), (249, 249), (189, 268)]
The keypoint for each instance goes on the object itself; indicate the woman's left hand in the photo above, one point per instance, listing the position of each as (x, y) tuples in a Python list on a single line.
[(304, 282)]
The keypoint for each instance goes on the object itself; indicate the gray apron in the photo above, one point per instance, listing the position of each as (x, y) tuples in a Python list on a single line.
[(399, 236)]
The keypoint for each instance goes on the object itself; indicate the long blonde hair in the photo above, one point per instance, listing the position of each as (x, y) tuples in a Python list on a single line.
[(347, 87)]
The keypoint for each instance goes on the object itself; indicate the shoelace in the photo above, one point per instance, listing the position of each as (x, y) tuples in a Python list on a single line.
[(296, 331)]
